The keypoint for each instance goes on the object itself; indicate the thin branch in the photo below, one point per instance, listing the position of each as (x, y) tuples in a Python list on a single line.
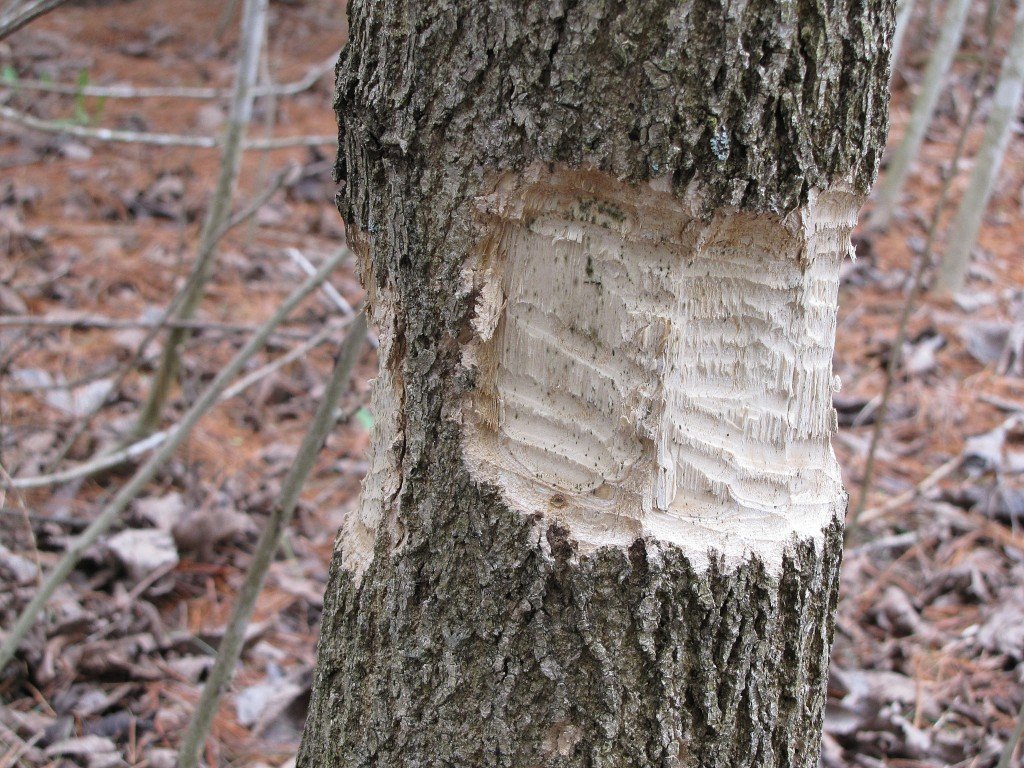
[(157, 139), (270, 540), (280, 362), (106, 461), (55, 386), (916, 288), (254, 19), (1011, 744), (964, 229), (269, 116), (164, 320), (890, 188), (904, 13), (171, 92), (18, 18), (908, 496), (282, 179), (117, 324), (329, 290), (91, 467), (145, 473)]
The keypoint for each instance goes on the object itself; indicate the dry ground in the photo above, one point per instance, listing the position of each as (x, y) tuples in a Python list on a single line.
[(929, 655)]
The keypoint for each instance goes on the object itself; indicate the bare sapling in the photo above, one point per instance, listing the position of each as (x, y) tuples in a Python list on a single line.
[(963, 232), (890, 188), (270, 540), (254, 16), (178, 434)]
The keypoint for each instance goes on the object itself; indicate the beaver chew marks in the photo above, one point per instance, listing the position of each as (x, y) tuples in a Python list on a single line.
[(644, 372)]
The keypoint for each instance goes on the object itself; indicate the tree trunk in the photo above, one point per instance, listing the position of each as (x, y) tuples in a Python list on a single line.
[(602, 521)]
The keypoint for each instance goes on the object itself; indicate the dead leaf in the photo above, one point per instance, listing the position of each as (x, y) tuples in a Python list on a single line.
[(162, 511), (92, 751), (1003, 630), (1000, 449), (919, 357), (143, 551)]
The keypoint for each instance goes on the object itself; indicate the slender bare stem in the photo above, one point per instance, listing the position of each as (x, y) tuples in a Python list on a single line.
[(269, 118), (254, 17), (270, 540), (145, 473), (916, 288), (910, 495), (105, 461), (85, 323), (93, 466), (891, 186), (329, 290), (17, 17), (171, 92), (904, 12), (280, 362), (964, 229), (165, 320), (157, 139)]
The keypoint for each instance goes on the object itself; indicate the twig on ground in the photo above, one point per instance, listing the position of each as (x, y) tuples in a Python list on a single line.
[(165, 92), (145, 473), (158, 139), (908, 496), (112, 459), (270, 540)]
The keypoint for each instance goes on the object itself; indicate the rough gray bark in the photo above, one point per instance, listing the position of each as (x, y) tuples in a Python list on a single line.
[(475, 634)]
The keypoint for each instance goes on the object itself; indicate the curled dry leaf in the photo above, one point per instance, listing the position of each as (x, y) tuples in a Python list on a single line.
[(143, 551)]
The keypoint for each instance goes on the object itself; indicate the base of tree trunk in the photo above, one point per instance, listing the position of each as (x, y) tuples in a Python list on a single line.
[(497, 644)]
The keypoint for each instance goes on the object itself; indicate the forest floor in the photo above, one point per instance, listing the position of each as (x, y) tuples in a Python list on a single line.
[(928, 664)]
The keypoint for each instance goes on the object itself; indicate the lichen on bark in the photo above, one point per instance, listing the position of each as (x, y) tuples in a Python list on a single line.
[(474, 634)]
